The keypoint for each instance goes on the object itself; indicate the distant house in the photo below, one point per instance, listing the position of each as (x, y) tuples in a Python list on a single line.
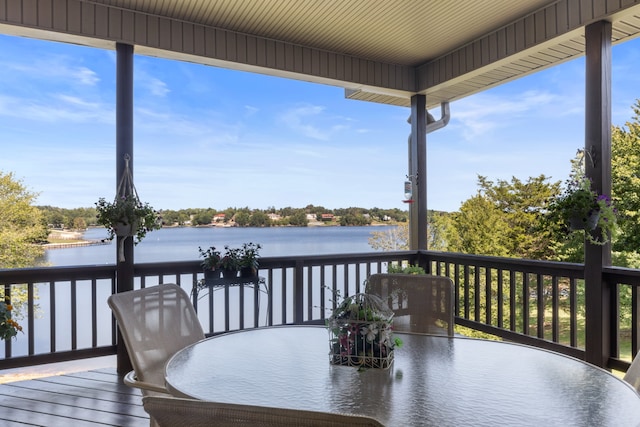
[(274, 217), (311, 217), (327, 217), (219, 217)]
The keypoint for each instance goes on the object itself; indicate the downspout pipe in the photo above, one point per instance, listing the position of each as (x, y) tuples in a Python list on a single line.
[(445, 115)]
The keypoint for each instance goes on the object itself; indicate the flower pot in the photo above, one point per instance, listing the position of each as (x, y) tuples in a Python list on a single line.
[(581, 222), (211, 274), (248, 272), (123, 230), (229, 274)]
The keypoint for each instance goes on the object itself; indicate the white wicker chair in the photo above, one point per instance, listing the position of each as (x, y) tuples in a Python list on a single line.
[(632, 376), (173, 412), (155, 323), (422, 303)]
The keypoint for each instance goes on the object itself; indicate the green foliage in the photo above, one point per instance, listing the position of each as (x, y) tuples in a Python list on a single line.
[(259, 219), (22, 225), (231, 259), (249, 255), (440, 229), (625, 173), (501, 220), (79, 223), (354, 219), (579, 203), (9, 328), (242, 219), (203, 218), (404, 269), (211, 258), (298, 219), (481, 228), (127, 210)]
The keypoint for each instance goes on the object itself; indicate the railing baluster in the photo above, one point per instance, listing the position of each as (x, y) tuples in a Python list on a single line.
[(525, 303), (74, 316), (481, 284), (488, 295), (555, 309), (500, 297), (94, 313), (573, 305), (540, 291)]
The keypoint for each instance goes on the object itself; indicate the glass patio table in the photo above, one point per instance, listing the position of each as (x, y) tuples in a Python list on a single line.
[(434, 381)]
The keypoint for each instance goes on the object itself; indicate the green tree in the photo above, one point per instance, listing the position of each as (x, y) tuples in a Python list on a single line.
[(299, 219), (625, 175), (259, 219), (481, 228), (520, 204), (202, 218), (243, 218), (22, 225), (79, 223)]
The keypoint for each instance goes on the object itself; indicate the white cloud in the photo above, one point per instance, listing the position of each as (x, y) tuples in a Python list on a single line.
[(157, 87), (298, 120), (57, 108), (86, 76)]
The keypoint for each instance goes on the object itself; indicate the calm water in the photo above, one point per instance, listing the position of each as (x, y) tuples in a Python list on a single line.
[(181, 244), (174, 244)]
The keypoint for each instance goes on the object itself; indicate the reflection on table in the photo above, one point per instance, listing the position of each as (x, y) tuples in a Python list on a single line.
[(434, 380)]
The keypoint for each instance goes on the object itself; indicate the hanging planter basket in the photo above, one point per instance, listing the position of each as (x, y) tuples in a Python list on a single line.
[(126, 216), (582, 222), (125, 230)]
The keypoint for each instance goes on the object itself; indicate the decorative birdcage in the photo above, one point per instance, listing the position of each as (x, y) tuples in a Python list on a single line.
[(360, 333)]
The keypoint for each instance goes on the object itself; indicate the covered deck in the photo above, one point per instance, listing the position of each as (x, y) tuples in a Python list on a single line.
[(421, 55)]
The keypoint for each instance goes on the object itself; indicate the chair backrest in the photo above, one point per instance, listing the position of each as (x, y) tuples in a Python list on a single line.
[(171, 412), (421, 303), (155, 323), (632, 376)]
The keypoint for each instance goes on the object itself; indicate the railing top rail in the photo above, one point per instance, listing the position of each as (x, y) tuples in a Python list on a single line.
[(516, 264), (47, 274)]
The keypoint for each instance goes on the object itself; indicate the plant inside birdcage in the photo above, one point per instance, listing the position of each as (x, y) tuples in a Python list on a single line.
[(360, 333)]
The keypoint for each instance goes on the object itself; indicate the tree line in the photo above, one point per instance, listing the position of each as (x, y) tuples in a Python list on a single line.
[(81, 218)]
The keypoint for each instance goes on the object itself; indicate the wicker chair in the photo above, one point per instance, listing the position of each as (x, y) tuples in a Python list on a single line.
[(421, 303), (172, 412), (155, 323), (632, 376)]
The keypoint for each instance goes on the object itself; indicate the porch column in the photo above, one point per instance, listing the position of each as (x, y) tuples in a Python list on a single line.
[(418, 173), (598, 294), (124, 145)]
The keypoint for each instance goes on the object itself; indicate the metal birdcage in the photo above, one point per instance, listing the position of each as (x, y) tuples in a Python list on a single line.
[(360, 332)]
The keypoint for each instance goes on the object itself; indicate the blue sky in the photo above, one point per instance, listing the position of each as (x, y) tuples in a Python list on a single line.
[(211, 137)]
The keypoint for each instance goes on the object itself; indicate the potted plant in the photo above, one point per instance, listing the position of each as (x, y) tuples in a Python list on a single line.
[(127, 216), (579, 208), (249, 255), (360, 333), (8, 327), (210, 263), (230, 262)]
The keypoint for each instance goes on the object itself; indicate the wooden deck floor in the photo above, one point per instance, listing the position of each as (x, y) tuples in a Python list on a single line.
[(90, 398)]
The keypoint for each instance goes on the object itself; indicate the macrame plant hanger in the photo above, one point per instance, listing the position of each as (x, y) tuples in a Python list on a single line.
[(125, 188)]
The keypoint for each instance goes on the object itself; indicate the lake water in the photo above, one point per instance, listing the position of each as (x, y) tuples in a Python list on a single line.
[(174, 244), (181, 244)]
